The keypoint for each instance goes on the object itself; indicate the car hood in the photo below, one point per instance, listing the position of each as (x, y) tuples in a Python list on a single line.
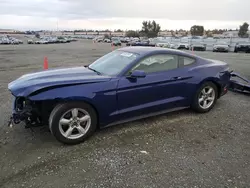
[(29, 83)]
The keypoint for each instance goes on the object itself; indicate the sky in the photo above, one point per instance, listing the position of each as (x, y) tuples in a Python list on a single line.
[(121, 14)]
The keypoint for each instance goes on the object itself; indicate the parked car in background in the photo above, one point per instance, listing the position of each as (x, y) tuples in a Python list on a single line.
[(30, 41), (43, 41), (6, 39), (172, 45), (163, 45), (98, 39), (242, 47), (141, 43), (14, 42), (198, 47), (116, 42), (126, 84), (125, 39), (221, 47), (183, 46), (107, 40), (131, 42)]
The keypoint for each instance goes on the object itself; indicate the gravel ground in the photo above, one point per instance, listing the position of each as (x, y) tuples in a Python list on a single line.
[(180, 149)]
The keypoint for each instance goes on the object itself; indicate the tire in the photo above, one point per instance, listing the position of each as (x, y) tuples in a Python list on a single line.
[(197, 106), (87, 127)]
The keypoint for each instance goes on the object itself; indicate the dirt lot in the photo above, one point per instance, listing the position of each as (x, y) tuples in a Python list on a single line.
[(183, 149)]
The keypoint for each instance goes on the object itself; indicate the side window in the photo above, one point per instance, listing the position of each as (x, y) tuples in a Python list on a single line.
[(184, 61), (157, 63)]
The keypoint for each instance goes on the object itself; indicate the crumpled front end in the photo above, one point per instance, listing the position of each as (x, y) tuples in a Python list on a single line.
[(24, 110)]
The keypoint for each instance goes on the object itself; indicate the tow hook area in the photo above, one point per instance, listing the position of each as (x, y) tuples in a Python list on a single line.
[(15, 119), (28, 120), (25, 116), (10, 124), (239, 83)]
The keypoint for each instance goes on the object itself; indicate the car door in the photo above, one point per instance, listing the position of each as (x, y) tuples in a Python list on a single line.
[(161, 88)]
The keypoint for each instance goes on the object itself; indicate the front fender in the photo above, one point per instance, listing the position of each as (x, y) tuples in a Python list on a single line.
[(102, 96), (63, 92)]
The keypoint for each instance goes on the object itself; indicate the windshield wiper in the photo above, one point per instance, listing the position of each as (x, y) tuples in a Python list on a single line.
[(94, 70)]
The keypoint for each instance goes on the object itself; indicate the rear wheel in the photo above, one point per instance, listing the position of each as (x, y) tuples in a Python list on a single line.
[(205, 98), (73, 122)]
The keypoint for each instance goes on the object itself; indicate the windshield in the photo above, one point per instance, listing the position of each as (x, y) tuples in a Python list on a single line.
[(113, 62)]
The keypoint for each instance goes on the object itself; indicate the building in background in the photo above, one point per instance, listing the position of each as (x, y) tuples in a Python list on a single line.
[(10, 31)]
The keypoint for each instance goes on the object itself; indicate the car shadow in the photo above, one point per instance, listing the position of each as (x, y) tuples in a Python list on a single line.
[(42, 136), (240, 92)]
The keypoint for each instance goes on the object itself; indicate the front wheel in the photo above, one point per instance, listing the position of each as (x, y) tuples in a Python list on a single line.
[(205, 98), (72, 122)]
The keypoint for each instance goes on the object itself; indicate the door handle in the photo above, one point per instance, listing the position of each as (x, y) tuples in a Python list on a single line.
[(177, 78)]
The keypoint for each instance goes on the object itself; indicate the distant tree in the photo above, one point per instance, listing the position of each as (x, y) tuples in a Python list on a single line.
[(150, 29), (118, 30), (106, 30), (97, 32), (209, 33), (37, 35), (197, 30), (243, 30), (131, 33), (216, 31)]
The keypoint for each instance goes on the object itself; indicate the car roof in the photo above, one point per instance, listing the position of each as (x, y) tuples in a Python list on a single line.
[(141, 50)]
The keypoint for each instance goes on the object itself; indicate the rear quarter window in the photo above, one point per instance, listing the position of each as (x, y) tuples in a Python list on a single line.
[(185, 61)]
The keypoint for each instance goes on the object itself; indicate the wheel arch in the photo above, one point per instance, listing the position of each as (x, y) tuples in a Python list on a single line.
[(215, 81), (47, 106), (86, 101)]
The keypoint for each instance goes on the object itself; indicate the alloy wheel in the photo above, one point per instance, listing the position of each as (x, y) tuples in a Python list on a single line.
[(74, 123), (206, 97)]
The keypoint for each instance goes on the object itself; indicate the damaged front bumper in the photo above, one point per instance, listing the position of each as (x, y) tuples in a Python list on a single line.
[(23, 111), (239, 83)]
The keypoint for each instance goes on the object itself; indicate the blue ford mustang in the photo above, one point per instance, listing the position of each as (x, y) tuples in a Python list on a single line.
[(123, 85)]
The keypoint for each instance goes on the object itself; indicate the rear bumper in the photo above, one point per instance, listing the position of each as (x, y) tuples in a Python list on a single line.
[(183, 48), (220, 50), (197, 48)]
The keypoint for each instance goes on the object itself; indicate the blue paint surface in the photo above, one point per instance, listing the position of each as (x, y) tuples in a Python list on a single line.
[(116, 97)]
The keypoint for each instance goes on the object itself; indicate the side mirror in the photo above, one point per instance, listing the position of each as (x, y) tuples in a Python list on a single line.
[(137, 74)]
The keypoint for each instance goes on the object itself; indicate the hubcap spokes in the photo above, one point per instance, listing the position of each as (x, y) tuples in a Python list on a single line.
[(207, 97), (74, 123)]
